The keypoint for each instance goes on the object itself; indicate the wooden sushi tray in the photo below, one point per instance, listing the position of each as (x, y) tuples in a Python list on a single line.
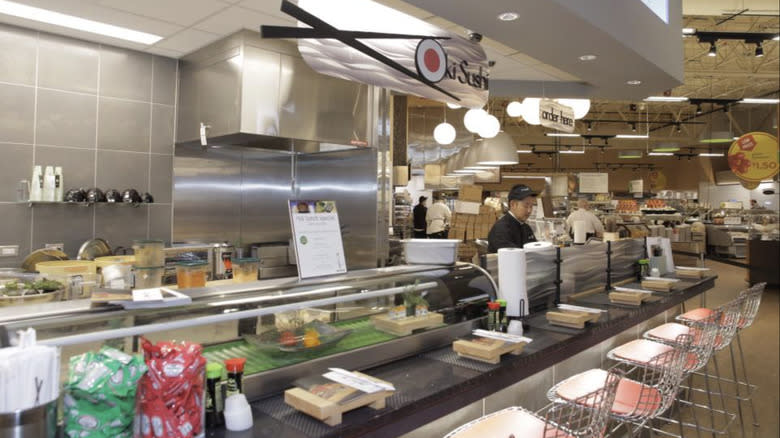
[(329, 410), (659, 285), (405, 326), (486, 349), (695, 273), (571, 318)]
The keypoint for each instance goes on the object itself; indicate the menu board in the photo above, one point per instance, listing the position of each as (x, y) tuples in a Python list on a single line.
[(319, 249), (594, 182)]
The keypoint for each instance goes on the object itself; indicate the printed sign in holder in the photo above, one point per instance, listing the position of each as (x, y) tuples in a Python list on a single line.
[(319, 249)]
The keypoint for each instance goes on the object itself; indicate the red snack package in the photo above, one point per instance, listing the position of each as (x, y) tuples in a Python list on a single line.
[(170, 395)]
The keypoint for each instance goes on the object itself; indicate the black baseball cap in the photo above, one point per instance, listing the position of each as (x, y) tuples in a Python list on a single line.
[(423, 199), (520, 192)]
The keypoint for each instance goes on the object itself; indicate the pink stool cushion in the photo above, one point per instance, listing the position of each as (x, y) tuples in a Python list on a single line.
[(668, 331), (640, 351), (696, 314), (627, 397), (502, 424)]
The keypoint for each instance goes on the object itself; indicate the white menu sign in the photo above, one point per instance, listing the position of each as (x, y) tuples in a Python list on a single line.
[(636, 186), (317, 233), (556, 116), (594, 182)]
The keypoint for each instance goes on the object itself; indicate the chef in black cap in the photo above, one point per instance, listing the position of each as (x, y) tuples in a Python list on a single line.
[(511, 231)]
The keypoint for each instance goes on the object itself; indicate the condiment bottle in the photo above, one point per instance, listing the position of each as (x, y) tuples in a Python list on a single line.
[(48, 184), (58, 184), (214, 400), (36, 184), (493, 308), (235, 375), (503, 321)]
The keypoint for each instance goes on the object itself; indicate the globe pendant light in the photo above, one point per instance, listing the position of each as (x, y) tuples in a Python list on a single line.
[(473, 119), (530, 110), (497, 151), (489, 126), (444, 133), (514, 109), (580, 106)]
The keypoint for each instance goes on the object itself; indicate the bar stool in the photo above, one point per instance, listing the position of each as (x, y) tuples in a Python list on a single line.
[(636, 401), (750, 300), (586, 418), (703, 334), (724, 321)]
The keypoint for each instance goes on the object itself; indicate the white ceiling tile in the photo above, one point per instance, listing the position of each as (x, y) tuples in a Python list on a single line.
[(57, 30), (501, 48), (182, 12), (236, 18), (93, 11), (165, 52), (187, 40), (406, 8), (525, 59), (441, 23), (268, 7)]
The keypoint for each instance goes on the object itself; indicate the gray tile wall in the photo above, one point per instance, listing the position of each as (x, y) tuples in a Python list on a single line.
[(106, 115)]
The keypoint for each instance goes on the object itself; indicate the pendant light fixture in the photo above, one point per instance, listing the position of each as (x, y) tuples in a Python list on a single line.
[(489, 126), (514, 109), (473, 119), (530, 110), (580, 106), (444, 133), (497, 151)]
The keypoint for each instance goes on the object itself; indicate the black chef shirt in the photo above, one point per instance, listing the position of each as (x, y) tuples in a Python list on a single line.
[(419, 212), (509, 232)]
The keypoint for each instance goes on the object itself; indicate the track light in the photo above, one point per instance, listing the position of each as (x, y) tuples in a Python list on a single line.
[(590, 126), (679, 128), (698, 109), (713, 50), (759, 50), (633, 127)]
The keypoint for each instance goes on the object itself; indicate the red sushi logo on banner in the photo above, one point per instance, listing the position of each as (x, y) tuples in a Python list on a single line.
[(430, 60), (754, 157)]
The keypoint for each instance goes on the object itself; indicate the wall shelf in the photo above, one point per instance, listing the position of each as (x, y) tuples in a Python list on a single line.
[(83, 204)]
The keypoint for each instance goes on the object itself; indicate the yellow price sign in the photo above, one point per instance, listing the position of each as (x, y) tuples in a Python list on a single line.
[(754, 156)]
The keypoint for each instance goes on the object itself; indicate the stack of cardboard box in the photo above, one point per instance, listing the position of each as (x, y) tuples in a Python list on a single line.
[(471, 220)]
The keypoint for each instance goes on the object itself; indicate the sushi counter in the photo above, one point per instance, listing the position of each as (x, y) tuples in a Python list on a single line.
[(272, 340)]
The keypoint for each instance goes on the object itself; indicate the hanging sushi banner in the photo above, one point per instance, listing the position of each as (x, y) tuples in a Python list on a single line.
[(359, 40), (754, 157)]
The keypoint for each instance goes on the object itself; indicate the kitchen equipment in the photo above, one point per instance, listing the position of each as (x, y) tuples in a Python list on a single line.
[(42, 255), (431, 251), (245, 269), (191, 274), (146, 278), (95, 195), (271, 254), (94, 248), (113, 195), (223, 260), (149, 253), (131, 196), (58, 182)]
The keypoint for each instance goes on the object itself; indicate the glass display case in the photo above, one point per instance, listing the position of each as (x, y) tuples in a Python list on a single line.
[(284, 328)]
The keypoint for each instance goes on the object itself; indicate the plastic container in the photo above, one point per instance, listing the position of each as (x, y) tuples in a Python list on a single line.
[(431, 251), (146, 278), (245, 270), (102, 262), (191, 274), (148, 253), (66, 267), (39, 422)]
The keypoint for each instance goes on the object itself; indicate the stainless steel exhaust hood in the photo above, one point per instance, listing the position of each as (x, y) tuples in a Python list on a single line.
[(260, 93)]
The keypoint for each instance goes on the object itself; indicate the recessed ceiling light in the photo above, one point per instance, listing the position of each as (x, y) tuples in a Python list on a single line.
[(776, 38), (508, 16), (588, 57), (634, 82), (73, 22)]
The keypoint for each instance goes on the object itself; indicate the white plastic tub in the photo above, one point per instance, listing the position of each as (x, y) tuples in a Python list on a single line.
[(431, 251)]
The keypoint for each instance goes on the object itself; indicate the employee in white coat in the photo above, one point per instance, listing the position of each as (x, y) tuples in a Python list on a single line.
[(593, 226), (438, 219)]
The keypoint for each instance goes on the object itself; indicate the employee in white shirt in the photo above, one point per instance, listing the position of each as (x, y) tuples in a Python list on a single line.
[(593, 226), (438, 219)]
